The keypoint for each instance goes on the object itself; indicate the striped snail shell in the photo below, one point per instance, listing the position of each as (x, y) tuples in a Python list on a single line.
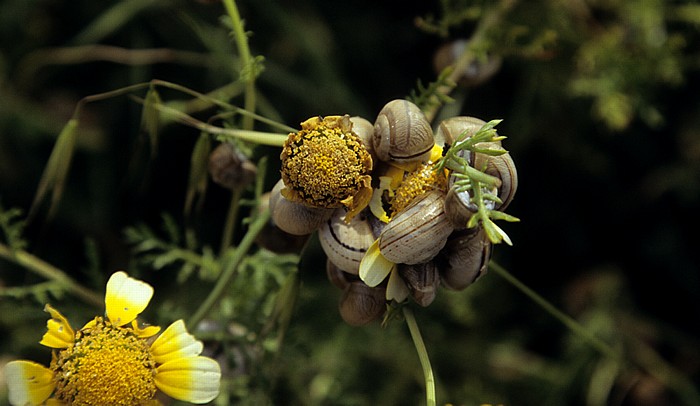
[(422, 280), (465, 258), (364, 129), (295, 218), (346, 243), (402, 133), (457, 128), (417, 233), (361, 304)]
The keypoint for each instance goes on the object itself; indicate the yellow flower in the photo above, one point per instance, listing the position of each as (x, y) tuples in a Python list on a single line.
[(112, 361), (326, 165)]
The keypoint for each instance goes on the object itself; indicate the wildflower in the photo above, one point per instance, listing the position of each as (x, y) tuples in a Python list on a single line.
[(325, 165), (113, 361)]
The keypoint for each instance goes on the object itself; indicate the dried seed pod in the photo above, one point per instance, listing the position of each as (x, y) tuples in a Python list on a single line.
[(422, 281), (466, 257), (295, 218), (230, 168), (417, 233), (346, 243), (361, 304), (402, 133)]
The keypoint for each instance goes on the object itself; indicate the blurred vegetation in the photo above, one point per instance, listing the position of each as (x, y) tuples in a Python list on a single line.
[(600, 107)]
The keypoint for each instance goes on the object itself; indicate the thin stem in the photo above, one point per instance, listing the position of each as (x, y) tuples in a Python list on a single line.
[(230, 271), (246, 60), (230, 225), (564, 318), (50, 272), (422, 356)]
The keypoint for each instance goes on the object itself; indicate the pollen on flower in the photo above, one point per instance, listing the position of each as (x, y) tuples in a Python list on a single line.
[(105, 365), (325, 164), (424, 179)]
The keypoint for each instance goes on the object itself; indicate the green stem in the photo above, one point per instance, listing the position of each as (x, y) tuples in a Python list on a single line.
[(230, 271), (231, 217), (50, 272), (564, 318), (422, 356)]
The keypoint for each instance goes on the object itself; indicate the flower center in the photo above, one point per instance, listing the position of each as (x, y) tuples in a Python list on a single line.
[(107, 365), (324, 163), (424, 179)]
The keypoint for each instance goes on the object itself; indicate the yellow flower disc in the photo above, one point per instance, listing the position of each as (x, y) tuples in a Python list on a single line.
[(106, 365), (424, 179), (325, 164)]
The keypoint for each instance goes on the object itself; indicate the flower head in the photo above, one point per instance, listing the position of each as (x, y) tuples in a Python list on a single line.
[(326, 165), (113, 361)]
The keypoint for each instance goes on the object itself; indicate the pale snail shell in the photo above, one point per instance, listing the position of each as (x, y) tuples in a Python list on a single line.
[(275, 239), (364, 129), (417, 233), (295, 218), (457, 128), (402, 133), (346, 243), (466, 257), (361, 304), (422, 280)]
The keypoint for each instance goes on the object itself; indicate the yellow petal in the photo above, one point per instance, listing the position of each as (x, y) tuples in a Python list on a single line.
[(126, 298), (374, 267), (147, 331), (193, 379), (29, 383), (59, 334), (396, 289), (174, 343)]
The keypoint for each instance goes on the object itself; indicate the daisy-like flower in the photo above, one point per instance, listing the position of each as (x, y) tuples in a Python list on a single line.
[(112, 361)]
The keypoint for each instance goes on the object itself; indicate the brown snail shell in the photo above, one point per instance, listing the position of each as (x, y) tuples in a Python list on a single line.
[(346, 243), (337, 277), (364, 129), (466, 257), (501, 167), (361, 304), (478, 72), (457, 128), (422, 280), (402, 133), (295, 218), (417, 233), (275, 239)]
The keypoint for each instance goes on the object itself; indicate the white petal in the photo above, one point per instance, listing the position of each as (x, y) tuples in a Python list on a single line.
[(396, 289), (193, 379), (175, 342), (126, 298)]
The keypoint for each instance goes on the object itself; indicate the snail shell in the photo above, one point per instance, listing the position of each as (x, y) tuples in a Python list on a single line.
[(478, 72), (364, 129), (422, 281), (295, 218), (402, 133), (503, 168), (466, 257), (346, 243), (275, 239), (457, 128), (417, 233), (361, 304), (337, 277)]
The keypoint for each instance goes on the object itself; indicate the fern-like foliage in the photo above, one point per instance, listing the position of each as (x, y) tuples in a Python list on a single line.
[(12, 225)]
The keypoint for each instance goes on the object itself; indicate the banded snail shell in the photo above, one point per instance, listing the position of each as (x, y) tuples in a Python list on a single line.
[(466, 257), (402, 133), (295, 218), (361, 304), (346, 243), (422, 280)]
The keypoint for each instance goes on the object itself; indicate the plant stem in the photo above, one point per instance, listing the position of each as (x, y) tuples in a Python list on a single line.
[(231, 217), (48, 271), (422, 356), (230, 271), (246, 60)]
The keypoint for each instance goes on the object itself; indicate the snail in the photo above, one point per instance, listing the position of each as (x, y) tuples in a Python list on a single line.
[(361, 304), (465, 258), (478, 72), (346, 243), (275, 239), (364, 129), (422, 281), (457, 128), (402, 133), (417, 233), (295, 218), (337, 277)]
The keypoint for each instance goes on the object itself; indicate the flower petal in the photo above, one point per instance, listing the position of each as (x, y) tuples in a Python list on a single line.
[(396, 289), (29, 383), (174, 343), (374, 267), (147, 331), (126, 298), (192, 379), (59, 334)]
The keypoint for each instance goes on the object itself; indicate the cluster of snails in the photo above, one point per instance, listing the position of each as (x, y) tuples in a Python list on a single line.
[(424, 243)]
